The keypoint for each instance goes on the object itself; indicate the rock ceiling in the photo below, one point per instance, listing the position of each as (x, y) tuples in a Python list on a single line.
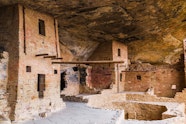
[(149, 27)]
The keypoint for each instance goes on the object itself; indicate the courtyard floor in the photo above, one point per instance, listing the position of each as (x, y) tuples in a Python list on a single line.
[(79, 113)]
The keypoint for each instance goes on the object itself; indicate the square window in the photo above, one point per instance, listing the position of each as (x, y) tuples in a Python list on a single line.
[(55, 71), (28, 69), (75, 68), (138, 77)]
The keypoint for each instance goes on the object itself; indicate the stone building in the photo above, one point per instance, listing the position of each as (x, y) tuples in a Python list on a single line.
[(165, 79), (103, 75), (31, 39), (98, 76)]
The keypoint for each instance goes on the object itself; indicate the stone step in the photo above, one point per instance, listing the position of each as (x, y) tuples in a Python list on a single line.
[(184, 90), (74, 99), (108, 91)]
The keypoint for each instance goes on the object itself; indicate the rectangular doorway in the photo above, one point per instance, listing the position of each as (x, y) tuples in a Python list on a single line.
[(41, 85)]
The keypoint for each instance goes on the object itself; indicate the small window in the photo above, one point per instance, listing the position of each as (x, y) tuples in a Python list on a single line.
[(41, 85), (119, 52), (55, 71), (121, 76), (75, 68), (28, 68), (138, 77), (41, 27)]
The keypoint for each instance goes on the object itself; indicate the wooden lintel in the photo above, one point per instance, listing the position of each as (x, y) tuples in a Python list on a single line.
[(135, 71), (88, 62), (44, 54), (49, 57), (56, 58)]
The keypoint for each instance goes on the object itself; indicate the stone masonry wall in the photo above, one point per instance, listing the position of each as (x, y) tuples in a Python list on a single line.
[(31, 43), (9, 41), (122, 66), (4, 109), (162, 78), (72, 81), (141, 111), (101, 74)]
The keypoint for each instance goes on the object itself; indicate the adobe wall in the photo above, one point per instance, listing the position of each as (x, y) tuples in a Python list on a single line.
[(161, 78), (31, 43), (9, 41), (4, 109)]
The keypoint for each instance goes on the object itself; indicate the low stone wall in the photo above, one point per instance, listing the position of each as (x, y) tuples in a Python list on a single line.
[(139, 108), (175, 120), (104, 100), (4, 109), (148, 98)]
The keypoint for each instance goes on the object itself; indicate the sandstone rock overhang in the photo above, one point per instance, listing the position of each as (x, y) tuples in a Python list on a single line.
[(85, 24)]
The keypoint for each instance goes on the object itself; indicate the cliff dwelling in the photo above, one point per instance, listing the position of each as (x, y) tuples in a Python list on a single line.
[(92, 62)]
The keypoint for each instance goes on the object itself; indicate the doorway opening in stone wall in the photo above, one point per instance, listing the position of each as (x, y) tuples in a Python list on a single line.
[(83, 74), (62, 82), (41, 85)]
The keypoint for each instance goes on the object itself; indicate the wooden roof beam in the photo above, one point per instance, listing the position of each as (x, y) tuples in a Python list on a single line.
[(88, 62), (43, 54), (49, 57), (56, 58)]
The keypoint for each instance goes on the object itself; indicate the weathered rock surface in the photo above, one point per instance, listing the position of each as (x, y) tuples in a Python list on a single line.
[(153, 29)]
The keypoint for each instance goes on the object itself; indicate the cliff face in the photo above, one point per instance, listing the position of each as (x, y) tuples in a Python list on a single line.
[(152, 29)]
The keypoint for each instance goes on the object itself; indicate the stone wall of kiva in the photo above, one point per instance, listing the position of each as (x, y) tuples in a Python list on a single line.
[(166, 80), (179, 97), (4, 109), (148, 112), (141, 111)]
